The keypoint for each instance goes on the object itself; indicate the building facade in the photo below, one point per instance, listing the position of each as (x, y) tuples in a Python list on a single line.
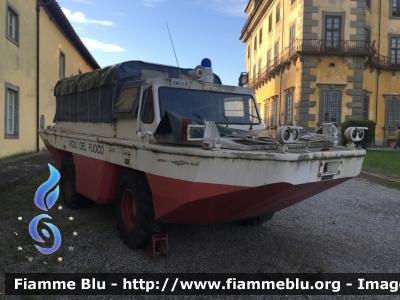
[(316, 61), (39, 46)]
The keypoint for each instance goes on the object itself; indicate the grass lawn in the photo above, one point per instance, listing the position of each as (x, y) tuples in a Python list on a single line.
[(383, 162)]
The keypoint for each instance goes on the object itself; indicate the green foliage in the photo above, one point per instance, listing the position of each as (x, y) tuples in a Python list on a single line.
[(369, 135)]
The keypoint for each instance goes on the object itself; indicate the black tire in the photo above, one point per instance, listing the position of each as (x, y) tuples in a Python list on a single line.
[(255, 221), (71, 198), (135, 210)]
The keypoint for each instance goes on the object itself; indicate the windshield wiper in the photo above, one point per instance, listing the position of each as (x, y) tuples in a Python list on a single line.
[(251, 126), (198, 116), (252, 115)]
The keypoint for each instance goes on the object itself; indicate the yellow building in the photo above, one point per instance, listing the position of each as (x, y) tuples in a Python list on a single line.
[(39, 46), (315, 61)]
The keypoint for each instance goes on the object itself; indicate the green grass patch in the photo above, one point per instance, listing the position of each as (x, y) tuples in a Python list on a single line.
[(383, 162)]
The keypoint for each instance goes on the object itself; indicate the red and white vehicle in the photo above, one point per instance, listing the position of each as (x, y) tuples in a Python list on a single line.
[(197, 154)]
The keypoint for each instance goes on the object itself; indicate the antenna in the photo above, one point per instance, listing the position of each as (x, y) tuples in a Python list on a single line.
[(174, 50)]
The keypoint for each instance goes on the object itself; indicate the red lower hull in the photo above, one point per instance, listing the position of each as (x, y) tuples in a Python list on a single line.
[(95, 179), (178, 201)]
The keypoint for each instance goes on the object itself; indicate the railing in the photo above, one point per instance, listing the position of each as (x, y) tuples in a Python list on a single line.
[(386, 61), (310, 46), (337, 47)]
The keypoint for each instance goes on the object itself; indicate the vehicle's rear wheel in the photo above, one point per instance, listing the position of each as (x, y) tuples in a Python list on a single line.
[(135, 210), (68, 186), (255, 221)]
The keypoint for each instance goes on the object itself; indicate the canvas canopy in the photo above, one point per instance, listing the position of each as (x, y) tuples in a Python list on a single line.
[(91, 97)]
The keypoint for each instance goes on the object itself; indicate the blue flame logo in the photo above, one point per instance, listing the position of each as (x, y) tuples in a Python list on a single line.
[(40, 203)]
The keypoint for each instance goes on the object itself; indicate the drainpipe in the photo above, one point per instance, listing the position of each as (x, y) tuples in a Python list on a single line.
[(39, 3), (37, 71), (379, 26), (377, 74)]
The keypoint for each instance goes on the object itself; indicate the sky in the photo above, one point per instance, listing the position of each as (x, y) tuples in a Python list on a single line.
[(121, 30)]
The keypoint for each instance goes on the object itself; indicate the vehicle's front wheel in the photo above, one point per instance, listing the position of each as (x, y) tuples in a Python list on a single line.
[(135, 211), (68, 186), (255, 221)]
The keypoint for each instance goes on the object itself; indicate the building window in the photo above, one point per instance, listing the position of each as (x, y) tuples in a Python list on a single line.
[(268, 60), (62, 65), (255, 43), (248, 51), (368, 4), (292, 37), (12, 26), (278, 13), (270, 23), (266, 114), (365, 106), (11, 112), (289, 106), (259, 68), (332, 31), (260, 36), (393, 113), (254, 71), (292, 1), (368, 37), (331, 106), (395, 51), (276, 52), (396, 8), (273, 113)]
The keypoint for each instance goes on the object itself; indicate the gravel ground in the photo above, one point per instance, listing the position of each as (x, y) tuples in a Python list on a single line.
[(354, 227)]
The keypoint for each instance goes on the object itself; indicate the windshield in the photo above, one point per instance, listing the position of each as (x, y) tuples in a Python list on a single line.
[(219, 107)]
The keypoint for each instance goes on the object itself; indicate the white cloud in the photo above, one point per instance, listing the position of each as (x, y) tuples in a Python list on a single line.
[(92, 44), (231, 7), (84, 2), (151, 3), (79, 18)]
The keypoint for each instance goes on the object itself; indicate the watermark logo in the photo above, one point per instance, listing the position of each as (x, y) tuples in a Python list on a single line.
[(45, 204)]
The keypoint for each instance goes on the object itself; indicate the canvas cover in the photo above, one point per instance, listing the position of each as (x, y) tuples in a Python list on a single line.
[(91, 97)]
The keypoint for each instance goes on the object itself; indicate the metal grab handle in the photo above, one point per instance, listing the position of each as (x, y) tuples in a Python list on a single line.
[(189, 131)]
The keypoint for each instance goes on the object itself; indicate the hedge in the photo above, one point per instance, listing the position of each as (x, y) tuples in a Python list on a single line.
[(369, 135)]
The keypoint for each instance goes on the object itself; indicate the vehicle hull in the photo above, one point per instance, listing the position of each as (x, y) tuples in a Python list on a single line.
[(190, 185), (179, 201)]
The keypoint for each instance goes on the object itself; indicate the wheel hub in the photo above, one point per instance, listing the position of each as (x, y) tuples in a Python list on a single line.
[(129, 212)]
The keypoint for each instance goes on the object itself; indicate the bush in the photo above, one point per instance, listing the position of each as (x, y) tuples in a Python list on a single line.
[(369, 135)]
